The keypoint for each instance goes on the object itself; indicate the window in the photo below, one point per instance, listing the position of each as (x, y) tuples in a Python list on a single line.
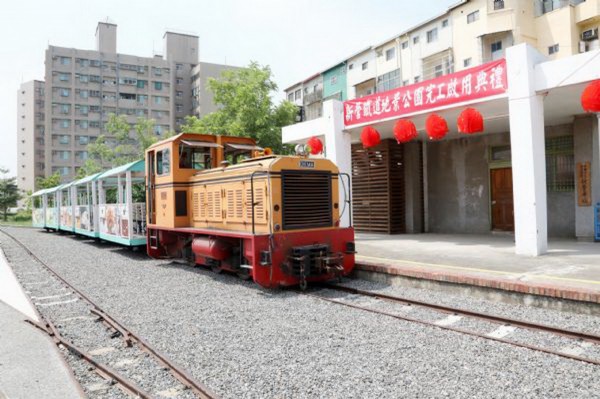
[(306, 90), (389, 54), (445, 23), (438, 70), (65, 60), (141, 83), (179, 81), (194, 157), (158, 85), (472, 17), (298, 94), (142, 99), (83, 62), (496, 47), (163, 162), (63, 77), (404, 44), (553, 49), (127, 96), (498, 4), (467, 62), (291, 97), (64, 139), (95, 63), (95, 78), (84, 140), (65, 123), (84, 78), (560, 164), (432, 35), (157, 100), (94, 93), (65, 92), (417, 79), (415, 39), (83, 155), (82, 124), (65, 108), (179, 94), (127, 81), (350, 67), (179, 67), (156, 71), (405, 82), (179, 107), (333, 80), (365, 65), (388, 81)]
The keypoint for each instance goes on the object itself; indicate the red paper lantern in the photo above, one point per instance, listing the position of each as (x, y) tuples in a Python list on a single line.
[(369, 137), (590, 98), (470, 121), (436, 127), (405, 131), (315, 145)]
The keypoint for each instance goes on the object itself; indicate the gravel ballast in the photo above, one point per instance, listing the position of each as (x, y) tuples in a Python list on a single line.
[(246, 342)]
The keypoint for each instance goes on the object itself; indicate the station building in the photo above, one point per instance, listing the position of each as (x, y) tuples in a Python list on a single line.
[(534, 170)]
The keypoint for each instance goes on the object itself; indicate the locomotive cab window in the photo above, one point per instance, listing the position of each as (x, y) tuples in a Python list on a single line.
[(236, 153), (163, 162), (197, 158)]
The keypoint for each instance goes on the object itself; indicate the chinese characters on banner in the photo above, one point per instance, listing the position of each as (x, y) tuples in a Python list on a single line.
[(483, 81)]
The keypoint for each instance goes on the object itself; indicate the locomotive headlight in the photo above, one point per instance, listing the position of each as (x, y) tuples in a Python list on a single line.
[(300, 149)]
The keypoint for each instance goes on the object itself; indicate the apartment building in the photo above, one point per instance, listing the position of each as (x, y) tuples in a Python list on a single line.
[(30, 134), (468, 34), (83, 87)]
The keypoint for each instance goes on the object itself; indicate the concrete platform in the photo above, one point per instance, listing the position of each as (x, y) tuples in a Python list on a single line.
[(30, 364), (570, 270)]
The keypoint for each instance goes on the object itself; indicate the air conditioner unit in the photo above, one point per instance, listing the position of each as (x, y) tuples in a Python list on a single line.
[(589, 34)]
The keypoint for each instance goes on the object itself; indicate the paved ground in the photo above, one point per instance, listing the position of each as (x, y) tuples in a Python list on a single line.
[(569, 264), (243, 341), (30, 364)]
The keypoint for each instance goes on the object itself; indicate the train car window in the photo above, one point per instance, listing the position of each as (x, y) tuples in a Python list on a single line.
[(197, 158), (37, 202), (50, 201), (237, 156), (163, 162)]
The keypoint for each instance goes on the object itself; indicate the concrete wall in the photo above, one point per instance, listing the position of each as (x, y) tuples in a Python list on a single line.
[(459, 196)]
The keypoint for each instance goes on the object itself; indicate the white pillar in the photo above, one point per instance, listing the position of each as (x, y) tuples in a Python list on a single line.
[(526, 109), (338, 150)]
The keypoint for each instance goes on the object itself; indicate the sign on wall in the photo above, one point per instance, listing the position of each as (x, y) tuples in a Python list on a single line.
[(474, 83), (584, 184)]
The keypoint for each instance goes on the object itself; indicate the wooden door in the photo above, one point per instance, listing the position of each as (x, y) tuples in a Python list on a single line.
[(502, 199)]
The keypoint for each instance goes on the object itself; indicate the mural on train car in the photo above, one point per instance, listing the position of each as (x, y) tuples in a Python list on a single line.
[(82, 218), (51, 217), (115, 220), (66, 216), (37, 217)]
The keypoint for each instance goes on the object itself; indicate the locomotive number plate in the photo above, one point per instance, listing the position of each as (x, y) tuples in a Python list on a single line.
[(307, 164)]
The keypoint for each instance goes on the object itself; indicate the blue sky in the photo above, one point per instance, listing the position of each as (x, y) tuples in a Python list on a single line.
[(296, 38)]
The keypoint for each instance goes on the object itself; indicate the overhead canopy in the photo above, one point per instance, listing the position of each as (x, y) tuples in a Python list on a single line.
[(251, 147), (196, 143), (40, 192)]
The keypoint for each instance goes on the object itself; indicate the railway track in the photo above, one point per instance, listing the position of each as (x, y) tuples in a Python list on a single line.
[(62, 307), (504, 327)]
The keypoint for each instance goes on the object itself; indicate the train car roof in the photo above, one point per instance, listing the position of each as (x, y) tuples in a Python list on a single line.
[(135, 166), (87, 179), (188, 135), (40, 192)]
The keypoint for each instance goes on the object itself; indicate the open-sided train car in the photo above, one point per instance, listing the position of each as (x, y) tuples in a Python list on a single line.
[(274, 219)]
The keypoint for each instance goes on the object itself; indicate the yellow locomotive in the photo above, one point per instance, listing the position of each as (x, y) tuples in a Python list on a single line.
[(216, 201)]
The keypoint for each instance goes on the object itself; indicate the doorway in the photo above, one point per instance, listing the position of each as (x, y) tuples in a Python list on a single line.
[(503, 218)]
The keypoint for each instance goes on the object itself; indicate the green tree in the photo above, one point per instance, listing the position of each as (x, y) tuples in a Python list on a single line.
[(48, 182), (121, 147), (9, 192), (246, 108)]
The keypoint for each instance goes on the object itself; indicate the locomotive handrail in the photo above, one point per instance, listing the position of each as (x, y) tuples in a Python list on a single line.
[(348, 195), (268, 173)]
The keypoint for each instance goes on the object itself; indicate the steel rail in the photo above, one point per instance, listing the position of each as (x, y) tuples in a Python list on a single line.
[(469, 313), (102, 369), (458, 330), (197, 387)]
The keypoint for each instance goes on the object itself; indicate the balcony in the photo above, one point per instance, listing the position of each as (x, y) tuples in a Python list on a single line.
[(587, 11), (313, 97)]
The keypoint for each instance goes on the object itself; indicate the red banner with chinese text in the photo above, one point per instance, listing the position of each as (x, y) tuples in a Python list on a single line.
[(474, 83)]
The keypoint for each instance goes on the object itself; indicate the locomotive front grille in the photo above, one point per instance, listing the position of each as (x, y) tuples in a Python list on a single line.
[(306, 197)]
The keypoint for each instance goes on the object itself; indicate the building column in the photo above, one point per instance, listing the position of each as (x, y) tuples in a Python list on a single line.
[(584, 130), (338, 149), (526, 109)]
